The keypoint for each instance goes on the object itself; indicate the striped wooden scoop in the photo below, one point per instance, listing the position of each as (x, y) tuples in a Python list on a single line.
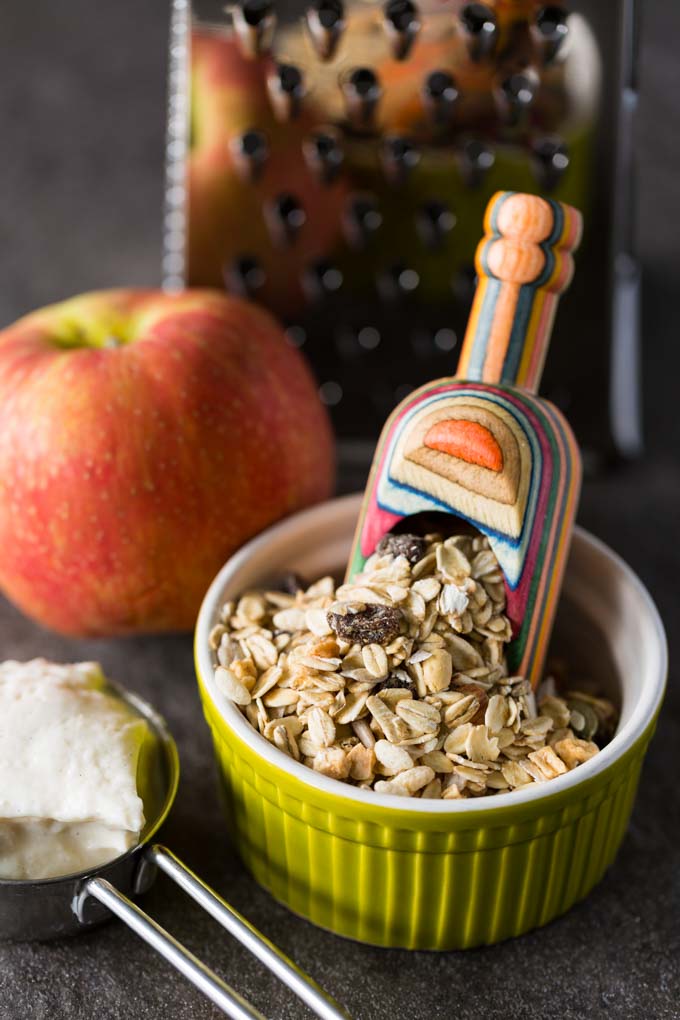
[(482, 446)]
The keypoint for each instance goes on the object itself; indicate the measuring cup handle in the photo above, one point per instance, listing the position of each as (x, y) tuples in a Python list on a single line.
[(212, 986), (277, 962)]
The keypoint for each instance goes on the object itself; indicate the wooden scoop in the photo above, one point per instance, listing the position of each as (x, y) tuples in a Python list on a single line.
[(482, 446)]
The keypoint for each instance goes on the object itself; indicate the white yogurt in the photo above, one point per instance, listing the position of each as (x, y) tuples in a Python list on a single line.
[(69, 757)]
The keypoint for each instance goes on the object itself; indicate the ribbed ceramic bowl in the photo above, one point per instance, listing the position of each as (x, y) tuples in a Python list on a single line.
[(437, 874)]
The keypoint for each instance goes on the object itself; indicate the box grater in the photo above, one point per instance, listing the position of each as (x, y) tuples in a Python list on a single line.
[(332, 160)]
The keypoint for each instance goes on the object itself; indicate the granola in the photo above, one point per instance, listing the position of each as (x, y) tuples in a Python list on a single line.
[(397, 682)]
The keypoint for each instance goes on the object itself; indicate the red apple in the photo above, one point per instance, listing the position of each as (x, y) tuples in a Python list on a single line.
[(227, 214), (143, 438)]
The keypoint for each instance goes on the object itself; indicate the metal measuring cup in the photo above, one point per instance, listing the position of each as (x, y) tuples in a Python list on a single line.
[(70, 904)]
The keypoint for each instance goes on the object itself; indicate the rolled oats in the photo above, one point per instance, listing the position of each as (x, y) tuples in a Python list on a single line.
[(375, 660), (393, 759), (397, 682), (394, 728), (419, 716), (321, 727), (232, 688), (406, 783)]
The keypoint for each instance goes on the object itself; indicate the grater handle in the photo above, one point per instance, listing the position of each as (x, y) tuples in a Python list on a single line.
[(524, 262)]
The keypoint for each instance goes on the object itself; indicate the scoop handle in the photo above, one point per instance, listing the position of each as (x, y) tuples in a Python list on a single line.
[(524, 262)]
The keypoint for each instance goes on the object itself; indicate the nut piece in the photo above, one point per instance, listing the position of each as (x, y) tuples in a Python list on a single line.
[(413, 547), (333, 762), (371, 624), (361, 763), (437, 670), (573, 751)]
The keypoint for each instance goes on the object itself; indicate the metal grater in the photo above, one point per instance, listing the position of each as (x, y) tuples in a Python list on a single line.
[(332, 161)]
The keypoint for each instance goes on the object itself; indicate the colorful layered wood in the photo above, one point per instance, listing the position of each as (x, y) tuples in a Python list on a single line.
[(482, 446)]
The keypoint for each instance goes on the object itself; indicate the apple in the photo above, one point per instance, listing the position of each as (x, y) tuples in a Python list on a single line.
[(143, 438), (227, 214)]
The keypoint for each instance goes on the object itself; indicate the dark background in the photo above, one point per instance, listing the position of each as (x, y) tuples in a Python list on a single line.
[(81, 112)]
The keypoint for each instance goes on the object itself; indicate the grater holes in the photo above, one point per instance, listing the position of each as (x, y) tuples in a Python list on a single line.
[(398, 281), (330, 393), (255, 11), (440, 96), (434, 221), (352, 343), (551, 161), (244, 276), (476, 161), (549, 31), (368, 338), (286, 90), (445, 340), (399, 158), (250, 151), (285, 218), (325, 22), (362, 91), (362, 220), (324, 155), (515, 95), (426, 343), (296, 336), (321, 279), (254, 22), (402, 23), (478, 22)]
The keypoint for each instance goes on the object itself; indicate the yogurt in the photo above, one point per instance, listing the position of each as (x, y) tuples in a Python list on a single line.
[(69, 758)]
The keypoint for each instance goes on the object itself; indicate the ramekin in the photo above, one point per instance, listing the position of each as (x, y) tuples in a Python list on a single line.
[(426, 874)]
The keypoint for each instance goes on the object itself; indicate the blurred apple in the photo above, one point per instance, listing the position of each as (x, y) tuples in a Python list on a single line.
[(143, 438), (227, 213)]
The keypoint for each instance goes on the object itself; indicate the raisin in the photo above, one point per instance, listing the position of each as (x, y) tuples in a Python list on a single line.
[(392, 683), (413, 547), (372, 624)]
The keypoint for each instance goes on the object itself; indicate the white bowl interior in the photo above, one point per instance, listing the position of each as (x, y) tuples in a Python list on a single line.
[(608, 630)]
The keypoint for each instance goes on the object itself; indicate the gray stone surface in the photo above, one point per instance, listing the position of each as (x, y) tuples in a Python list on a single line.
[(81, 112)]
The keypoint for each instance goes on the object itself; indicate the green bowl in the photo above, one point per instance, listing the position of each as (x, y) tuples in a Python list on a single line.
[(428, 874)]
